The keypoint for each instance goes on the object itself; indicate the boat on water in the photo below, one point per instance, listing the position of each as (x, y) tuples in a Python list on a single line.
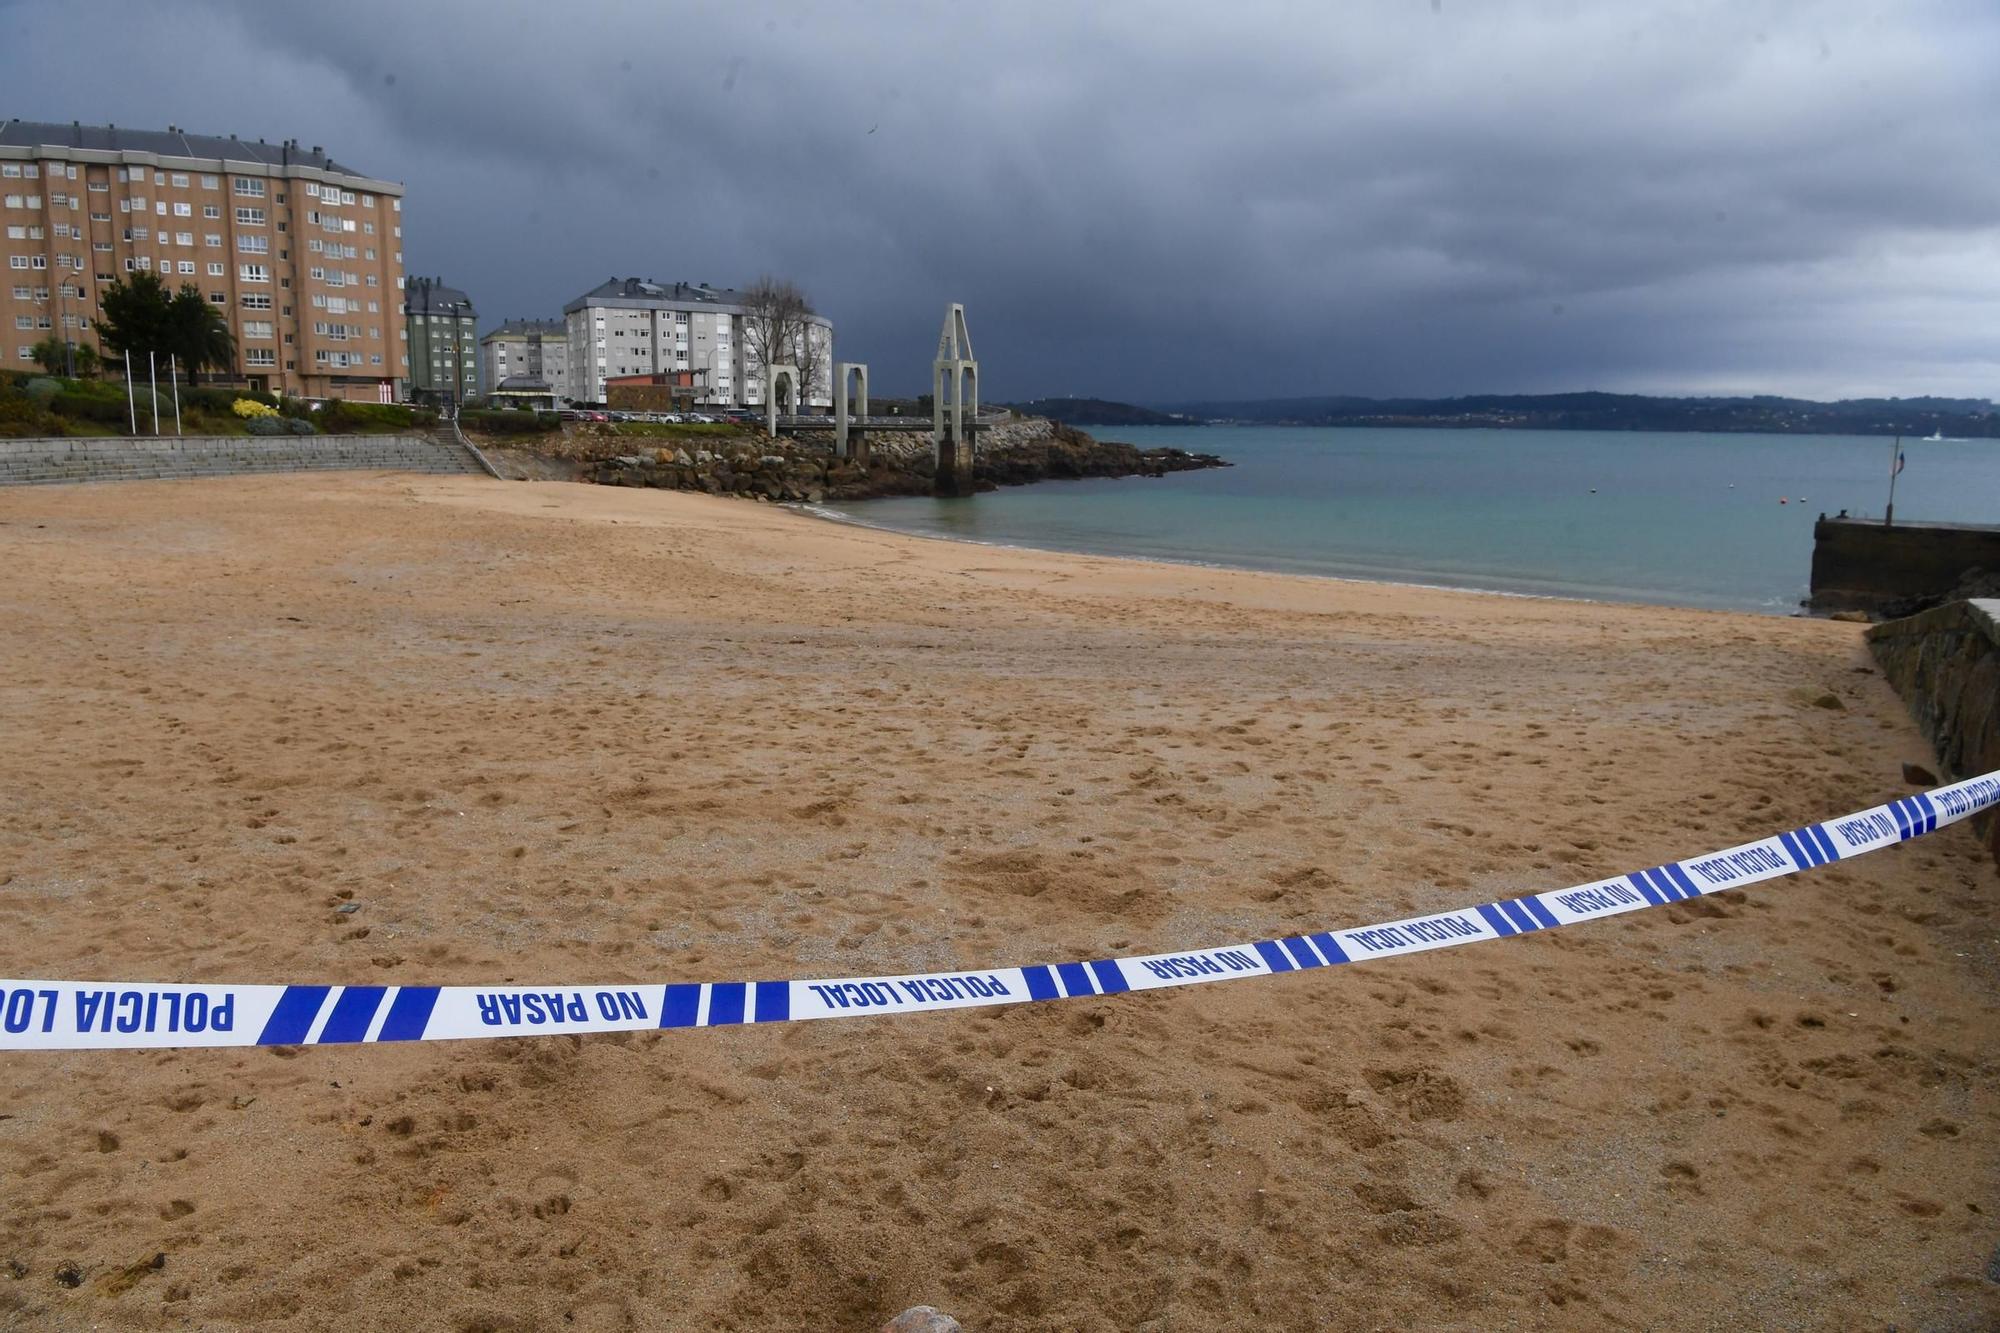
[(1936, 436)]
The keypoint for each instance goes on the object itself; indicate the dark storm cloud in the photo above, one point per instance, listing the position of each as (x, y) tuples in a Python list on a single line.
[(1163, 201)]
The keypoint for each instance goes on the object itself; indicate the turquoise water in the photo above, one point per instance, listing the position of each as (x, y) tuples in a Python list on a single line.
[(1674, 519)]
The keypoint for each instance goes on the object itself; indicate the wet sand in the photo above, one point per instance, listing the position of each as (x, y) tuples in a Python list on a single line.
[(574, 734)]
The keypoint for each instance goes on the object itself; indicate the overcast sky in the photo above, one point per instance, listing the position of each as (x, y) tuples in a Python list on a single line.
[(1160, 201)]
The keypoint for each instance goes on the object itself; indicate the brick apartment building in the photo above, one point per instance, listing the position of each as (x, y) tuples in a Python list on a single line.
[(303, 255)]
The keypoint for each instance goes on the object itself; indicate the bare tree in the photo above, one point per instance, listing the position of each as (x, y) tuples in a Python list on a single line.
[(780, 328)]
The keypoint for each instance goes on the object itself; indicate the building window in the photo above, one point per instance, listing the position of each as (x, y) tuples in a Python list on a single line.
[(256, 300), (218, 298), (180, 181), (258, 328), (253, 273), (260, 356), (183, 238), (249, 217), (183, 210), (254, 245), (210, 183), (211, 210), (187, 267), (249, 187)]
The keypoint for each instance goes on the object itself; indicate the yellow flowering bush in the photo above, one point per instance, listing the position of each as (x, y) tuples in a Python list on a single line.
[(250, 408)]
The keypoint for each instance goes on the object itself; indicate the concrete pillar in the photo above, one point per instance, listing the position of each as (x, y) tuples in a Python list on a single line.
[(850, 440), (952, 428)]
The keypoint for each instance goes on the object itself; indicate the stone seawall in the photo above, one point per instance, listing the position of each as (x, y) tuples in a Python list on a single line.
[(1945, 663), (149, 458), (1859, 565)]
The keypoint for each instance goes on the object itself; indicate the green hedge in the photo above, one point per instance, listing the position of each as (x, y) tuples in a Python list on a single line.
[(340, 417), (91, 407), (509, 422)]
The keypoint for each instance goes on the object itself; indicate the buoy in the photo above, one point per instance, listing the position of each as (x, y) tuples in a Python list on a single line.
[(1781, 499)]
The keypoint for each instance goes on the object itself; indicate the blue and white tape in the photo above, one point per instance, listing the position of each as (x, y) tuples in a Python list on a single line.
[(81, 1015)]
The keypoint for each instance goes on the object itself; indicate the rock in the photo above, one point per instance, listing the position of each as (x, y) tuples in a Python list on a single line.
[(1919, 776), (1851, 617), (346, 908), (922, 1319), (1831, 701), (70, 1275)]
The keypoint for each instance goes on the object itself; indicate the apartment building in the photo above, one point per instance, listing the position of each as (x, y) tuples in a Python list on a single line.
[(303, 254), (629, 326), (443, 331), (534, 352)]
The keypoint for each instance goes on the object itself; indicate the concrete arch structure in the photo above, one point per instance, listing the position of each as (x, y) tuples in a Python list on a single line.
[(774, 377), (850, 441), (954, 379)]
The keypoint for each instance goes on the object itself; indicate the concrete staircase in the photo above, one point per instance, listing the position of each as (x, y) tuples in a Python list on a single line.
[(151, 458)]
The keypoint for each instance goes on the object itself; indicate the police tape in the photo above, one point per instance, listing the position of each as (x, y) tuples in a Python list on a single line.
[(73, 1015)]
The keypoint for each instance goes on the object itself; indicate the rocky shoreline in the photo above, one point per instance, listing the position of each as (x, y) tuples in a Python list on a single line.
[(804, 468)]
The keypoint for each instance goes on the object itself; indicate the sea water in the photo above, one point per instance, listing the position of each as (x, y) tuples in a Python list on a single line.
[(1722, 521)]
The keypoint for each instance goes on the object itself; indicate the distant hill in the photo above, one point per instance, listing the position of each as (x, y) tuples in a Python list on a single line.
[(1099, 412), (1962, 418)]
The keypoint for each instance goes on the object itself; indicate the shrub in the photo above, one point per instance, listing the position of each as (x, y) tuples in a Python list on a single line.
[(270, 425), (509, 422), (41, 389), (252, 410), (299, 426), (93, 407), (221, 400), (341, 416)]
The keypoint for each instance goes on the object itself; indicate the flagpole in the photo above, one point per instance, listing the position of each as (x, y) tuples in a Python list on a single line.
[(153, 388), (1895, 466), (174, 366), (131, 403)]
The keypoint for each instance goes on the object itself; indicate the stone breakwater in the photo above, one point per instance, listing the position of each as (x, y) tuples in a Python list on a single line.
[(804, 468)]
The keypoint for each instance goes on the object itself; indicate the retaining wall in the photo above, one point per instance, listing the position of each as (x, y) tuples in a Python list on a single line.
[(1859, 565), (148, 458), (1945, 663)]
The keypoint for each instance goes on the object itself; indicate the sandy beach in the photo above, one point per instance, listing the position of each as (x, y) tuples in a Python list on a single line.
[(545, 732)]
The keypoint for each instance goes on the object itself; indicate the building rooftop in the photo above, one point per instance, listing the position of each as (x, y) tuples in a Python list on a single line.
[(646, 289), (548, 328), (645, 293), (429, 296), (523, 384), (170, 142)]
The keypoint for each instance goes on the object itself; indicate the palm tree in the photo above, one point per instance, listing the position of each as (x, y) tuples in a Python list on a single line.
[(198, 334)]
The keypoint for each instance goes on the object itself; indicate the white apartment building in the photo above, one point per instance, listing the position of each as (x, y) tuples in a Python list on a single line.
[(629, 326), (530, 352)]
